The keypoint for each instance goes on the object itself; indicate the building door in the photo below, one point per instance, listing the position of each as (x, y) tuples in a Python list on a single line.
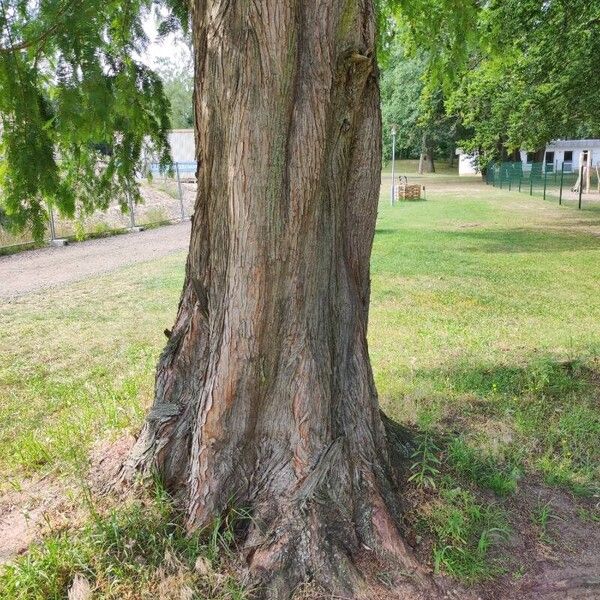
[(584, 157)]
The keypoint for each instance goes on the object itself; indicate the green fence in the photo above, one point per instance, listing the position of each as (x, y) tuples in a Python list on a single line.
[(561, 183)]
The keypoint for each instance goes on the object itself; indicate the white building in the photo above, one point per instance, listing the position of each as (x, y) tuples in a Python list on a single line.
[(183, 145), (467, 163), (183, 151), (569, 152)]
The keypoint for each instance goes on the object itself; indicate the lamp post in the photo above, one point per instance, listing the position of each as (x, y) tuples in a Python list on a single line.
[(392, 198)]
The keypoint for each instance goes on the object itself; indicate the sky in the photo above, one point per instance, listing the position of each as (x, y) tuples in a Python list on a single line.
[(172, 46)]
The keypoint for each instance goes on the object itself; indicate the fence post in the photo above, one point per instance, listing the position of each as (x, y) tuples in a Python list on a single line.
[(531, 181), (510, 176), (562, 175), (131, 213), (545, 179), (51, 221), (180, 191), (580, 185), (520, 180)]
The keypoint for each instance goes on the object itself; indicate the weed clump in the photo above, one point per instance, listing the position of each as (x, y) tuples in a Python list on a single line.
[(139, 551)]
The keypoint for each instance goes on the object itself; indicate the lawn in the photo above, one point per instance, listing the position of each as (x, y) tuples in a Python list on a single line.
[(484, 337), (490, 306)]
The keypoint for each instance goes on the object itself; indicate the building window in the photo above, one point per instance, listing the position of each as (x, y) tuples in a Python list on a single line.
[(568, 156), (549, 158)]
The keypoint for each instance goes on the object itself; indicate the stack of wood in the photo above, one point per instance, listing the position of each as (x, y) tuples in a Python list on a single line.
[(404, 191)]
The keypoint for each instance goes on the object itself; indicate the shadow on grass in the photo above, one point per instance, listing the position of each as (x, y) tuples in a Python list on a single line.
[(543, 375), (544, 412), (522, 240)]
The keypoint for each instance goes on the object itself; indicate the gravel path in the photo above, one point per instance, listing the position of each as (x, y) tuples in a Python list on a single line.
[(45, 268)]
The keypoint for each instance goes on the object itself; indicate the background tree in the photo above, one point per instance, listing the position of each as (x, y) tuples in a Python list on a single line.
[(425, 131), (527, 80), (516, 73), (177, 75)]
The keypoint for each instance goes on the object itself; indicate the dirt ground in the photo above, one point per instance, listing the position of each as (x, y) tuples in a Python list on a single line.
[(564, 566), (46, 268)]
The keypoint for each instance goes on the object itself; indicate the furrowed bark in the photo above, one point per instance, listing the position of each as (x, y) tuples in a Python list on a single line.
[(264, 395)]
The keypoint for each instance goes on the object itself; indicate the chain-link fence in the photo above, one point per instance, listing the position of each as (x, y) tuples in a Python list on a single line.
[(166, 198), (569, 186)]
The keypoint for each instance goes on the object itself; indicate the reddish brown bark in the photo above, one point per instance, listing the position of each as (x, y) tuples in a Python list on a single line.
[(264, 395)]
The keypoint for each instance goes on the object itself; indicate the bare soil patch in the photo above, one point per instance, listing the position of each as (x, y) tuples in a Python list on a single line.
[(42, 505), (25, 514), (565, 563)]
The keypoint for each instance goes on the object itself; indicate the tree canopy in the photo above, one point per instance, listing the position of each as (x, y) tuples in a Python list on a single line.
[(532, 76), (416, 109), (77, 104), (178, 84), (516, 73)]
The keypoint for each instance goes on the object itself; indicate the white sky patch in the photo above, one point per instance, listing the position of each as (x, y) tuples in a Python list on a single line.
[(172, 47)]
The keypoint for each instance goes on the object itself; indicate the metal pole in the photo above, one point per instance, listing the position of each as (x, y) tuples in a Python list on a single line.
[(510, 173), (520, 180), (531, 181), (131, 213), (51, 220), (180, 191), (393, 200), (562, 174), (580, 184), (545, 179)]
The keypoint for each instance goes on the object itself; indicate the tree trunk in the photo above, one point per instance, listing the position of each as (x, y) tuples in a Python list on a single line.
[(426, 164), (264, 394)]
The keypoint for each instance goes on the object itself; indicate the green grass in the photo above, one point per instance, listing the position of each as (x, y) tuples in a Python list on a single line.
[(484, 334), (482, 468), (485, 312), (464, 530), (76, 365), (139, 551), (541, 517)]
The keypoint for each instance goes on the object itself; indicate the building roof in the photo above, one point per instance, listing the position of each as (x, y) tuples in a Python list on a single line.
[(582, 144)]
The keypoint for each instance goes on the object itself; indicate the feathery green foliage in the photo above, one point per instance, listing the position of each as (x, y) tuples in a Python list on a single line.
[(77, 105)]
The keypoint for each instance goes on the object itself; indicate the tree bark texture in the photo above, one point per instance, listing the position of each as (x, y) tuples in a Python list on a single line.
[(426, 164), (264, 394)]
